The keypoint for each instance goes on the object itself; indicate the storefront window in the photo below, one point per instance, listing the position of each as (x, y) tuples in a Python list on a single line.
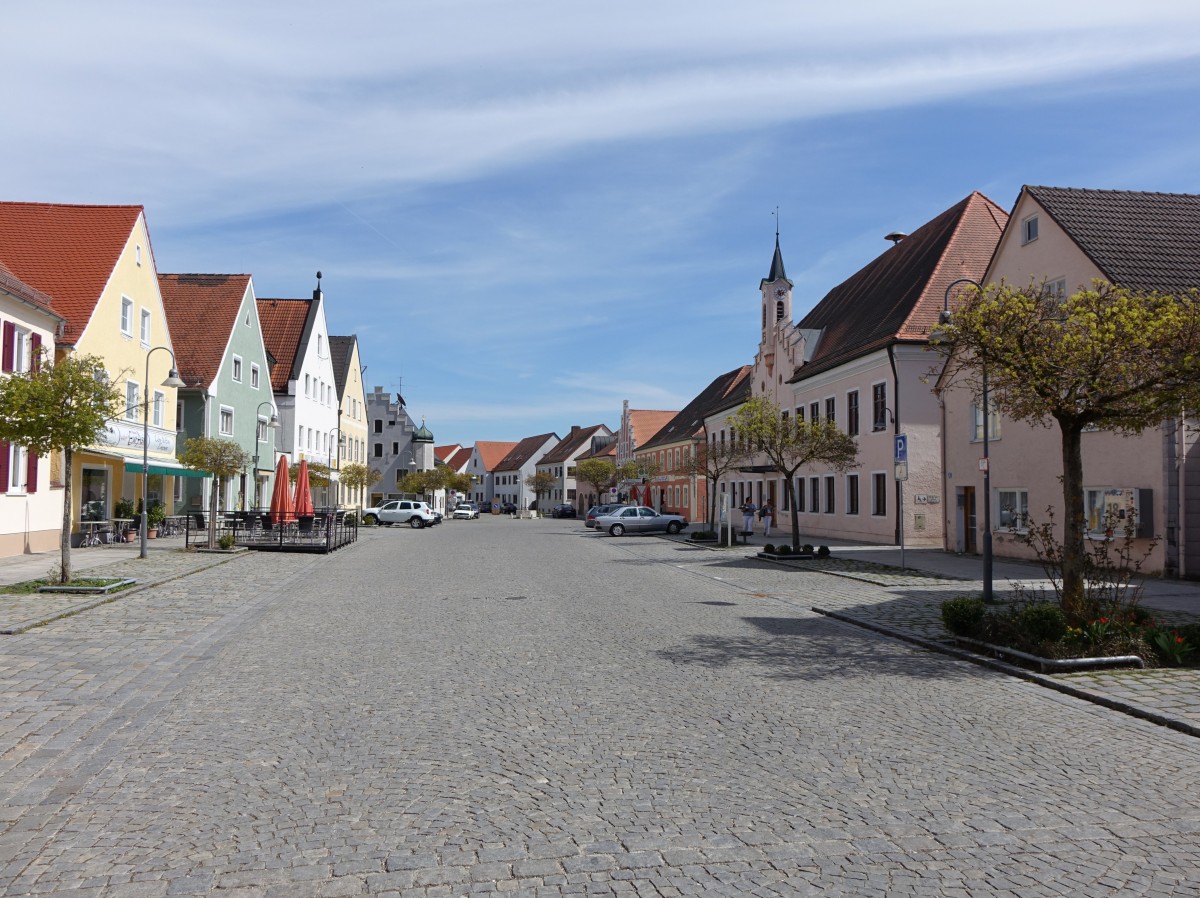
[(94, 491)]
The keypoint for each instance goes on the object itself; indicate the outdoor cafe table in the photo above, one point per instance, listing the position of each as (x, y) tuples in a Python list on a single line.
[(91, 532)]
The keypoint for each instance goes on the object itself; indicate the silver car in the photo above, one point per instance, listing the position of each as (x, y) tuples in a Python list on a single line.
[(639, 519)]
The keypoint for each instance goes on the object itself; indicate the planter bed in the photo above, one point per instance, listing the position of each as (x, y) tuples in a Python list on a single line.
[(90, 590), (1049, 665)]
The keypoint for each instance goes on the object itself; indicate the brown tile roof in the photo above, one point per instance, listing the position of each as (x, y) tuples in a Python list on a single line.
[(202, 310), (646, 424), (283, 322), (898, 296), (570, 444), (690, 422), (67, 252), (444, 452), (523, 451), (1148, 241), (14, 286), (608, 450), (492, 452), (458, 461)]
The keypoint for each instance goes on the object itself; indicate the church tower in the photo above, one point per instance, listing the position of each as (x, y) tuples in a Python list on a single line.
[(776, 295), (778, 353)]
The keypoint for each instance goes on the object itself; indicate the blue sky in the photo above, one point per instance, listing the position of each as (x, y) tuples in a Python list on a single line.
[(531, 211)]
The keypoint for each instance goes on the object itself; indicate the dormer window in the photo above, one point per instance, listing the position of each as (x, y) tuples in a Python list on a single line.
[(1029, 229)]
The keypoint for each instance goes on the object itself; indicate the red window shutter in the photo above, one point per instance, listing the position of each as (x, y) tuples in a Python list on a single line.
[(35, 344), (31, 472), (10, 331), (4, 458)]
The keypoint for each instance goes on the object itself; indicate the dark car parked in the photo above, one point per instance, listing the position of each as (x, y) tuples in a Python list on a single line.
[(508, 508), (594, 512), (485, 507), (563, 511)]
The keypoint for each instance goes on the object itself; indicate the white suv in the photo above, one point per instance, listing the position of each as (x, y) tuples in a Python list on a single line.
[(401, 511)]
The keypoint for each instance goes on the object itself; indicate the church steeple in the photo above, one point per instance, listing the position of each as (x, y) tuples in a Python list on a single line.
[(777, 272)]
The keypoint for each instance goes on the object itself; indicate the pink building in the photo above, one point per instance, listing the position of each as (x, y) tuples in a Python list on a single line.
[(1066, 238)]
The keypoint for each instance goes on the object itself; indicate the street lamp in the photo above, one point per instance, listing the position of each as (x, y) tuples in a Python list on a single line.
[(273, 424), (173, 380), (329, 458), (985, 463)]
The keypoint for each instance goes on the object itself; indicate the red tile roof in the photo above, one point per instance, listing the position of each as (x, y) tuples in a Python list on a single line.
[(646, 424), (202, 310), (283, 323), (444, 452), (898, 296), (524, 451), (458, 461), (492, 452), (14, 286), (68, 252)]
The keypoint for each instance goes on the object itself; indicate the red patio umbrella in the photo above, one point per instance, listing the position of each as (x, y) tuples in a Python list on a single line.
[(303, 505), (281, 495)]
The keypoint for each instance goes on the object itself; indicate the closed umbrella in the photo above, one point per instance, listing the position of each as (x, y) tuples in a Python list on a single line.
[(303, 505), (281, 495)]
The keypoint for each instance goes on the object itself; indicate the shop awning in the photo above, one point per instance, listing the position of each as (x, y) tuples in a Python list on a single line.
[(135, 467)]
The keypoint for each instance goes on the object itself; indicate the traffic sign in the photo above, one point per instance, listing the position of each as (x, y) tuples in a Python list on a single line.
[(902, 470), (901, 447)]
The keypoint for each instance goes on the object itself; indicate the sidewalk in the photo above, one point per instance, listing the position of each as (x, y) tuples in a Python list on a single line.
[(165, 560), (907, 606)]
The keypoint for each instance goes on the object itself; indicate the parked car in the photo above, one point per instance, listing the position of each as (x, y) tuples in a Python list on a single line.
[(594, 512), (401, 511), (508, 508), (485, 507), (563, 511), (639, 519), (465, 511)]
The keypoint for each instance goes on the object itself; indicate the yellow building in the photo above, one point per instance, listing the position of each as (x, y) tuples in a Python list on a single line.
[(96, 264), (352, 414)]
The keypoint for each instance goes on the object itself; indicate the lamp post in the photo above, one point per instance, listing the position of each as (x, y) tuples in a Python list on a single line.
[(173, 380), (984, 463), (273, 424)]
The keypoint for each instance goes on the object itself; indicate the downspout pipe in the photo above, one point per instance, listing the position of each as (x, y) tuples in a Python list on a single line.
[(895, 429)]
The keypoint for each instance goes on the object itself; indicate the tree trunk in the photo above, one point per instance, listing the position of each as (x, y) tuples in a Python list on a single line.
[(212, 512), (1074, 555), (791, 494), (64, 538)]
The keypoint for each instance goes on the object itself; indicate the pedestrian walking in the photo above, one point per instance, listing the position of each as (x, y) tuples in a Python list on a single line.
[(768, 517), (748, 509)]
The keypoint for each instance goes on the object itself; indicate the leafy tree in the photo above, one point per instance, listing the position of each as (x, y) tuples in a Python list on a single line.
[(221, 458), (540, 482), (1113, 358), (459, 482), (360, 477), (712, 461), (318, 475), (790, 444), (600, 473), (57, 408)]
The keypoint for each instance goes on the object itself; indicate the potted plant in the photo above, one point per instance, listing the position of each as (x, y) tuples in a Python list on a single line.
[(123, 511), (154, 519)]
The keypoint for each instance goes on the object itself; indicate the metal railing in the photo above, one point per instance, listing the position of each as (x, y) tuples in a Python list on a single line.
[(326, 530)]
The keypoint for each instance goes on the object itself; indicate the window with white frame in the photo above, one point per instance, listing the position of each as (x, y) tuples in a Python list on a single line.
[(852, 413), (1012, 509), (1029, 229), (226, 421), (254, 375), (1056, 289), (993, 431), (800, 481), (179, 416), (814, 495), (851, 494), (133, 398), (830, 494), (879, 487), (17, 350), (18, 466), (237, 369), (878, 407), (127, 316), (144, 330), (159, 408)]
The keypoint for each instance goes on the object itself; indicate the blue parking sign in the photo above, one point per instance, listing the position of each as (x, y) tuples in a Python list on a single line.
[(901, 447)]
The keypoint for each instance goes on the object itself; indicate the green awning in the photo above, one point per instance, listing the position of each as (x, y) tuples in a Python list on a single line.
[(133, 467)]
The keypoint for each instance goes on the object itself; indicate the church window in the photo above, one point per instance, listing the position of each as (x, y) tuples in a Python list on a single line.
[(779, 310)]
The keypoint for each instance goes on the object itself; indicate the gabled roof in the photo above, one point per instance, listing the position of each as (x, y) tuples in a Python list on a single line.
[(341, 352), (608, 450), (646, 423), (690, 422), (284, 323), (521, 453), (570, 444), (202, 311), (441, 453), (1148, 241), (67, 252), (492, 452), (897, 297), (458, 461)]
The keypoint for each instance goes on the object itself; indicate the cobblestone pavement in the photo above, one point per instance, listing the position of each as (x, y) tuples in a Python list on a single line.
[(517, 707)]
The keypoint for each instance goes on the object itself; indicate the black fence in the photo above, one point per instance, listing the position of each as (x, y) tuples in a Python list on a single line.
[(325, 530)]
